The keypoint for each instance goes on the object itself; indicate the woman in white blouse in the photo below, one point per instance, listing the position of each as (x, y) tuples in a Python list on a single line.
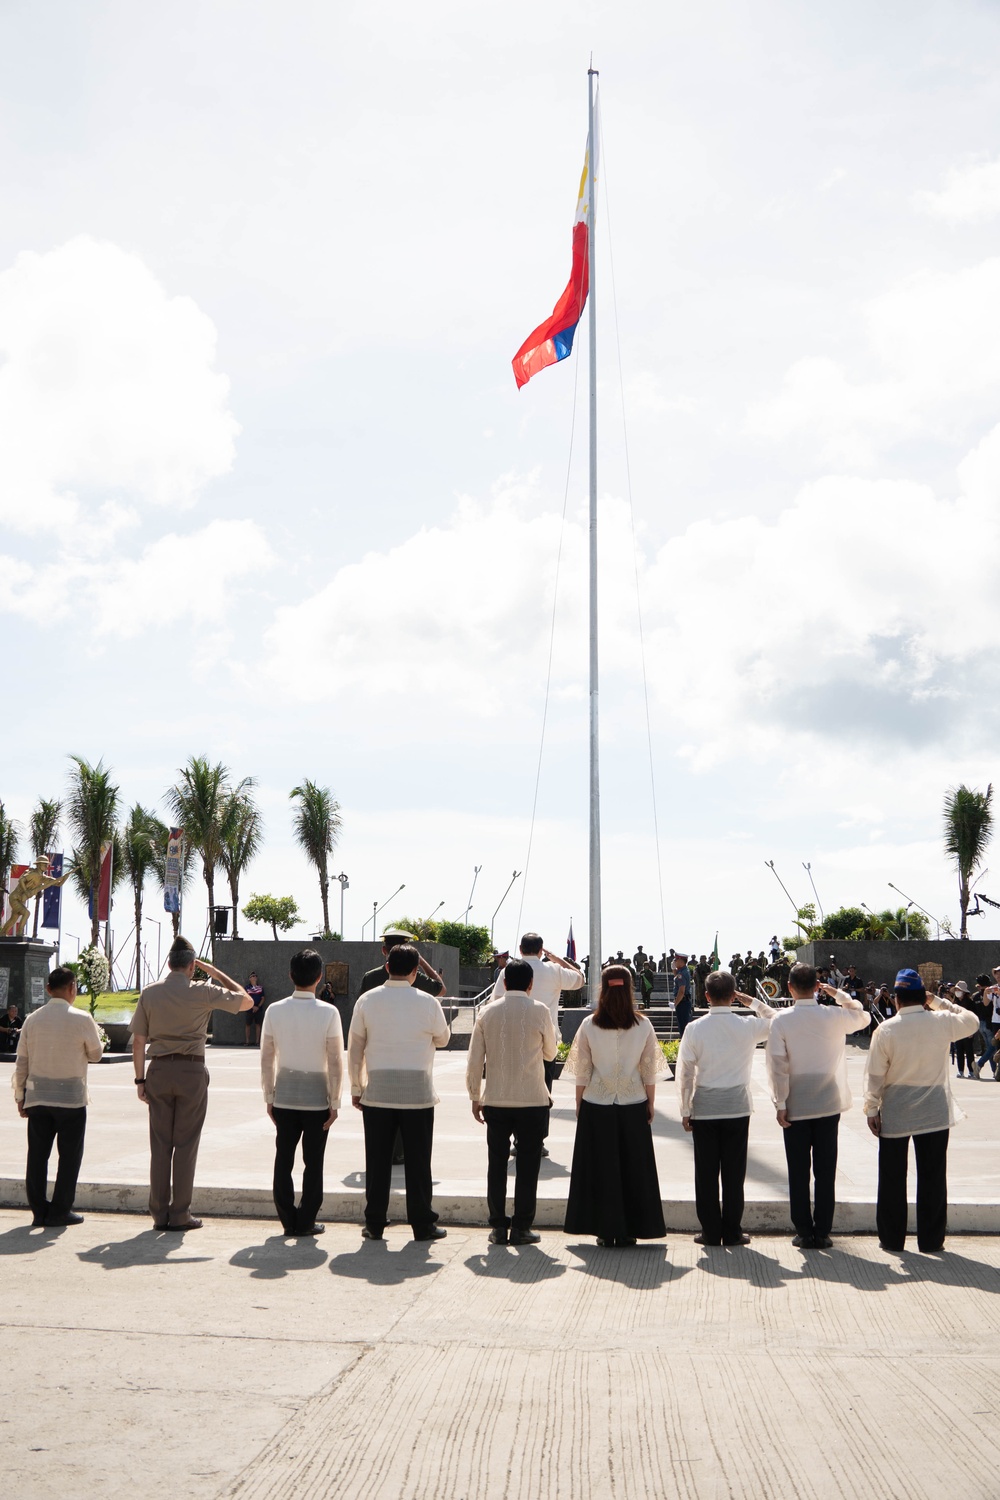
[(614, 1192)]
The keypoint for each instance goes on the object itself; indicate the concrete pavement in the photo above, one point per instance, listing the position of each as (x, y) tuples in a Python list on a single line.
[(232, 1365)]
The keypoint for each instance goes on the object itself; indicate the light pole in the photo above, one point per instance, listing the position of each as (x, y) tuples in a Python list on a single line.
[(809, 871), (376, 909), (345, 885), (434, 912), (157, 926), (475, 876), (910, 899), (770, 866), (76, 941), (501, 902)]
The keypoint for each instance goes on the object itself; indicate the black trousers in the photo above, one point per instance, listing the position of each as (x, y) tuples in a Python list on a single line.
[(48, 1123), (684, 1013), (720, 1151), (528, 1126), (966, 1052), (931, 1152), (292, 1126), (416, 1126), (811, 1145)]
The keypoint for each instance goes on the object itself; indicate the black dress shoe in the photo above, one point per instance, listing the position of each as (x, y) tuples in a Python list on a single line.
[(524, 1237), (744, 1239), (59, 1220), (804, 1242), (313, 1229), (191, 1223), (498, 1236), (822, 1242), (371, 1234), (437, 1233), (37, 1223), (892, 1249), (625, 1244), (700, 1239)]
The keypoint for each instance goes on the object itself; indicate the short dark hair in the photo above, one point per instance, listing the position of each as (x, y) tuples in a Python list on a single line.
[(305, 967), (58, 979), (720, 986), (517, 975), (532, 944), (802, 977), (181, 955), (401, 960)]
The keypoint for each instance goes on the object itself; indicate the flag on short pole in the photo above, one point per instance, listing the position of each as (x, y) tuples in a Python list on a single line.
[(553, 340), (571, 943), (714, 960), (172, 871), (52, 898), (103, 885)]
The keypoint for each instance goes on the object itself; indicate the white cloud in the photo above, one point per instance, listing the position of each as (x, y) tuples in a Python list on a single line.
[(934, 341), (971, 194), (107, 388), (190, 580)]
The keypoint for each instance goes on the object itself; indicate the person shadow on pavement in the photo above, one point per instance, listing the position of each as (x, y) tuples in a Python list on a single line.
[(641, 1268), (152, 1247), (521, 1264), (276, 1258), (25, 1239), (374, 1262)]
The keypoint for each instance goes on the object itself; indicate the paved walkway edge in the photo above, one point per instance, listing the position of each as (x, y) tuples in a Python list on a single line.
[(761, 1216)]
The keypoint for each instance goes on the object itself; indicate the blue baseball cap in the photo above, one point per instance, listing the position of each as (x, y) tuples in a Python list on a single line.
[(908, 979)]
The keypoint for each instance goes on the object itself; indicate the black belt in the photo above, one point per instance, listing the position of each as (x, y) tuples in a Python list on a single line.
[(178, 1057)]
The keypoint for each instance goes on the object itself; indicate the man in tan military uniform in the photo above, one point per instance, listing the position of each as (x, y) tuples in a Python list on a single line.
[(171, 1078)]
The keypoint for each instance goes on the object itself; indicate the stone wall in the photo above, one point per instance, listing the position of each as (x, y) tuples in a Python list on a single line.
[(880, 961), (270, 960)]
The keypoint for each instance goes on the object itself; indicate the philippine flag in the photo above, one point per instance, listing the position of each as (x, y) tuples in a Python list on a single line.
[(571, 943), (553, 339)]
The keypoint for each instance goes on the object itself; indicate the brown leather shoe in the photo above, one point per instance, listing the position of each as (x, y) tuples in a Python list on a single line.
[(187, 1224)]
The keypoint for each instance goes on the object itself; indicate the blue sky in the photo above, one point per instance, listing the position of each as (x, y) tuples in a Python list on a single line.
[(268, 490)]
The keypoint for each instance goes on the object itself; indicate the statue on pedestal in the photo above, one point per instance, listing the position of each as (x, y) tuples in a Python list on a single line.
[(31, 884)]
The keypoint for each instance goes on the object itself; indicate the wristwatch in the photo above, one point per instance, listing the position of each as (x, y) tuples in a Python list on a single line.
[(141, 1080)]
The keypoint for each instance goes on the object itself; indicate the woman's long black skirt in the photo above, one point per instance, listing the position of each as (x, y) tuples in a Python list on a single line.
[(614, 1192)]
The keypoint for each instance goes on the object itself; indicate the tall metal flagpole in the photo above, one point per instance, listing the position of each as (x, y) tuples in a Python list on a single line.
[(594, 980)]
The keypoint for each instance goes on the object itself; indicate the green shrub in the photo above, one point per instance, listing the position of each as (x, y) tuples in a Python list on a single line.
[(670, 1050)]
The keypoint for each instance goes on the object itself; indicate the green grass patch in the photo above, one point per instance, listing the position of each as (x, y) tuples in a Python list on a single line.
[(112, 1005)]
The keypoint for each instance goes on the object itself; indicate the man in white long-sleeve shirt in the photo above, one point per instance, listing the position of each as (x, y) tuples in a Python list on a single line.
[(808, 1075), (301, 1071), (713, 1080), (908, 1093), (390, 1056)]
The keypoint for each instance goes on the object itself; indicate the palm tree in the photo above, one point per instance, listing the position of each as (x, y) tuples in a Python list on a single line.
[(141, 837), (9, 834), (42, 829), (316, 823), (92, 814), (968, 826), (242, 836), (197, 803)]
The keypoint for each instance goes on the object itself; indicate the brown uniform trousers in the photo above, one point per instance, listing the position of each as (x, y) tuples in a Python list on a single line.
[(177, 1092)]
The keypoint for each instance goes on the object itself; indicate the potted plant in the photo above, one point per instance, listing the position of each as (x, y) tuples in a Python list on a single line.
[(562, 1052)]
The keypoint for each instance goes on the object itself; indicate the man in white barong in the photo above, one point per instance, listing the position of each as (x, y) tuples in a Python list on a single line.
[(908, 1093)]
